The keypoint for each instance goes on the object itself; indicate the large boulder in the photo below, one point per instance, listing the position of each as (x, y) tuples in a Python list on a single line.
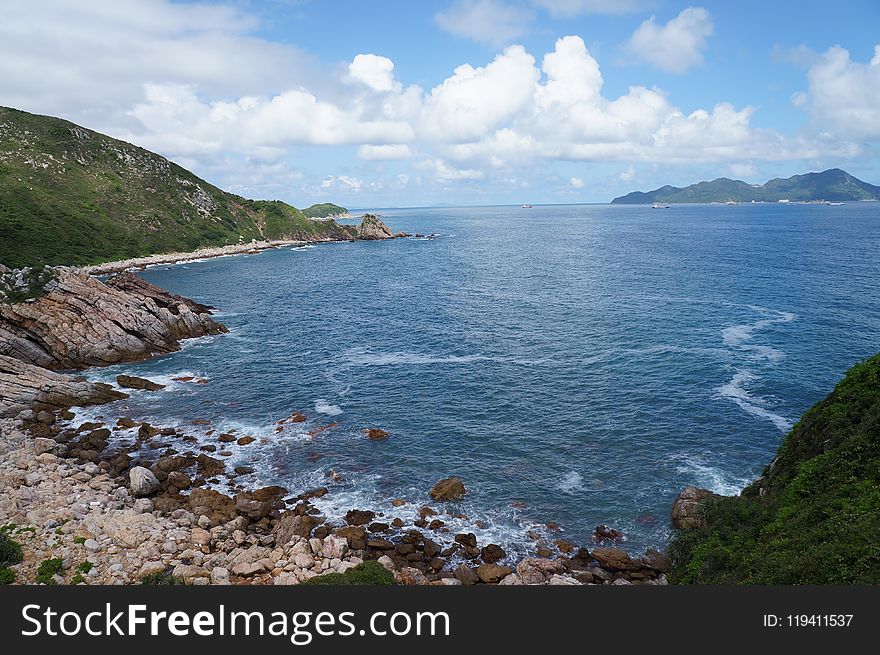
[(537, 570), (372, 228), (132, 382), (614, 559), (448, 489), (142, 482), (218, 507), (292, 525), (687, 508)]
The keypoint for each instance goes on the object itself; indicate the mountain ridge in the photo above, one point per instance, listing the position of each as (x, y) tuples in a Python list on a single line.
[(73, 196), (833, 185)]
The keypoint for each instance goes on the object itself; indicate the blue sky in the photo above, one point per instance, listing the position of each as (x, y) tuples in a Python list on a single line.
[(459, 101)]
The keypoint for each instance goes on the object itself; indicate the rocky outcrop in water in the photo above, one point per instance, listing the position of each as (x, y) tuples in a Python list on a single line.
[(81, 321), (372, 228), (24, 386)]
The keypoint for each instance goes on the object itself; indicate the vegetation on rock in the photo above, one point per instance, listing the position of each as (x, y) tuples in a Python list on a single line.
[(814, 515), (367, 573)]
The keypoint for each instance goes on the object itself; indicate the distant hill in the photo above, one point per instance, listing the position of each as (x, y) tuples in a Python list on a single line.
[(833, 185), (324, 210), (69, 195)]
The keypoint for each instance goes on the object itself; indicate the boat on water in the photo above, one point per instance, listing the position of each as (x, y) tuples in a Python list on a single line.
[(731, 202), (658, 205), (834, 204), (526, 206)]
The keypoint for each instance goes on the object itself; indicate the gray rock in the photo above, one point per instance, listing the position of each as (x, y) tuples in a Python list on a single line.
[(142, 482)]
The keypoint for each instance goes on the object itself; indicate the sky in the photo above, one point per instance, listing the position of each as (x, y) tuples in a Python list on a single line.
[(466, 102)]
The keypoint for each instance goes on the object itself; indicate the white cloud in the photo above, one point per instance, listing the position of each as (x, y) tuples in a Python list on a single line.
[(387, 152), (475, 100), (374, 71), (627, 175), (577, 183), (444, 172), (844, 95), (569, 8), (485, 21), (343, 183), (676, 46)]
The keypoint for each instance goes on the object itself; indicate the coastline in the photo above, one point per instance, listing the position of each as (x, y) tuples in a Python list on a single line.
[(112, 493), (252, 248)]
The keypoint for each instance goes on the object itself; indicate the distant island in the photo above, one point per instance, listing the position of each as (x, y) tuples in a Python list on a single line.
[(833, 185)]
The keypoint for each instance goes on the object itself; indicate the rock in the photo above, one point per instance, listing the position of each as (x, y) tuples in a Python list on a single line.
[(150, 568), (251, 507), (466, 575), (492, 573), (557, 580), (91, 545), (466, 539), (132, 382), (604, 533), (143, 506), (431, 548), (656, 560), (411, 577), (188, 573), (247, 569), (380, 544), (492, 553), (335, 546), (614, 559), (142, 482), (215, 506), (44, 445), (510, 580), (448, 489), (686, 509), (375, 434), (537, 570), (372, 228), (219, 575), (359, 517), (179, 480), (243, 470), (292, 525), (387, 562), (304, 560), (244, 441)]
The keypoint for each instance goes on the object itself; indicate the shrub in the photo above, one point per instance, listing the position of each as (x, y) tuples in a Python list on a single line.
[(10, 550), (7, 576), (85, 567), (47, 569), (79, 540), (367, 573), (162, 578)]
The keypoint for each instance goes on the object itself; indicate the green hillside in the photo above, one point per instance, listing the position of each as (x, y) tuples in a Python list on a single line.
[(69, 195), (324, 210), (814, 515), (832, 185)]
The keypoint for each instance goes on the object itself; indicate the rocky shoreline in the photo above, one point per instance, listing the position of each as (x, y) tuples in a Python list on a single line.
[(114, 502)]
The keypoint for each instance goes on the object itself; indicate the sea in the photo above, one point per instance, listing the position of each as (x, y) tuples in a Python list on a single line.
[(574, 365)]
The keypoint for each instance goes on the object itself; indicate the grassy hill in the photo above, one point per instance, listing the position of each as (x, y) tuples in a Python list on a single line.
[(69, 195), (814, 515), (832, 185), (324, 210)]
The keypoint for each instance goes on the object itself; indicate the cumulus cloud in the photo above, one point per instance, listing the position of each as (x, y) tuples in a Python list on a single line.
[(374, 71), (577, 183), (844, 95), (485, 21), (675, 47)]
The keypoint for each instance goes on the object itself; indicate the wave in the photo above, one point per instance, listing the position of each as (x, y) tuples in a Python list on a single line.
[(736, 389), (738, 338), (710, 477), (323, 407), (570, 482)]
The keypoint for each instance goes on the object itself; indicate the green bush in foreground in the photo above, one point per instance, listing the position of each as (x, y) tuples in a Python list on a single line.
[(7, 576), (162, 578), (818, 519), (10, 550), (367, 573), (47, 569)]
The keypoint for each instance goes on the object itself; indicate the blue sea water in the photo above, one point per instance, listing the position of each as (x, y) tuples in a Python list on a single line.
[(572, 364)]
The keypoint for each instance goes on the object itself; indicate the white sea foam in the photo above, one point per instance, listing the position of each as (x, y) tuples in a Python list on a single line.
[(323, 407), (736, 389), (709, 477), (570, 482)]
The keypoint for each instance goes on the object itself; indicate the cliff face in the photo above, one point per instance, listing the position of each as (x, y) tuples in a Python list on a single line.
[(372, 228), (813, 517), (82, 322)]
